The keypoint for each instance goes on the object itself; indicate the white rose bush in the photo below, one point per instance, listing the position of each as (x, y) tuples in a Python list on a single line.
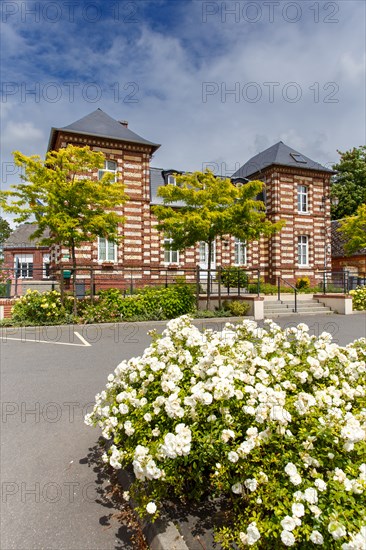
[(272, 420)]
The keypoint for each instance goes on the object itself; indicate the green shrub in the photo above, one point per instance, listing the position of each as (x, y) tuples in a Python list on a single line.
[(237, 307), (359, 298), (302, 282), (234, 277), (39, 308), (270, 421), (209, 314), (149, 303)]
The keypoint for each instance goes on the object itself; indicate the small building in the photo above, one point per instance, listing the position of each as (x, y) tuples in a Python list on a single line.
[(26, 262), (354, 263)]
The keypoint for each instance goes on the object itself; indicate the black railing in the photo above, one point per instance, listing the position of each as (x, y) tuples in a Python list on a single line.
[(335, 282), (14, 281), (357, 280), (279, 279), (229, 281), (90, 280)]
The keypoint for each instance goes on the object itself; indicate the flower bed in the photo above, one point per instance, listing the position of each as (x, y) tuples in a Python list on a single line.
[(272, 419)]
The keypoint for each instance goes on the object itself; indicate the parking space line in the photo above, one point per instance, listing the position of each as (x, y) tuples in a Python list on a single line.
[(84, 343)]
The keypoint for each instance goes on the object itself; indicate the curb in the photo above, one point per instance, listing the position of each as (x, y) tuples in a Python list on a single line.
[(160, 535)]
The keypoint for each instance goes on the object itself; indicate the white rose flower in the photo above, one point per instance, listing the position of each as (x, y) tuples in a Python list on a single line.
[(237, 488), (298, 510), (233, 456), (288, 538), (337, 530), (251, 484), (296, 479), (315, 510), (226, 435), (320, 485), (311, 495), (288, 523), (316, 537), (252, 533), (290, 469), (151, 508)]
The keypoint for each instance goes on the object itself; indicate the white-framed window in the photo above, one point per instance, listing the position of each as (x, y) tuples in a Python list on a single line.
[(303, 250), (204, 253), (170, 256), (23, 265), (240, 252), (107, 250), (302, 198), (110, 166), (46, 266), (171, 180)]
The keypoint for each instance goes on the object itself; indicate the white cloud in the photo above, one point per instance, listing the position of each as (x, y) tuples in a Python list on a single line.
[(165, 68)]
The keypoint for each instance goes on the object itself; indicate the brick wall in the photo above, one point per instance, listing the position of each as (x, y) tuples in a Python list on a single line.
[(143, 245), (5, 308)]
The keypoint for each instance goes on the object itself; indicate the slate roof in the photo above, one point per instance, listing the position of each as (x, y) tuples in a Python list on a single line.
[(156, 180), (99, 124), (20, 238), (338, 242), (278, 154)]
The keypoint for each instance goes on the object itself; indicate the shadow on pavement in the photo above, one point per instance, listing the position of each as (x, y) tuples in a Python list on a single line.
[(109, 495)]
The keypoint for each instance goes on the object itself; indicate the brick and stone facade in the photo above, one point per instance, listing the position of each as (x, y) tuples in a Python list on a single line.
[(281, 168)]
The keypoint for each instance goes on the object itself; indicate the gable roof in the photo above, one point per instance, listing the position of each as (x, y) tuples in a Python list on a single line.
[(279, 154), (338, 242), (98, 123), (20, 237)]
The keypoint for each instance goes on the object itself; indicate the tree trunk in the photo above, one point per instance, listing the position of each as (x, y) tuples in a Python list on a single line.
[(73, 256), (208, 301)]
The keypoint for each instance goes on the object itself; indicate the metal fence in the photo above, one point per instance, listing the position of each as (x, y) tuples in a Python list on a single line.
[(221, 282), (335, 282), (91, 280)]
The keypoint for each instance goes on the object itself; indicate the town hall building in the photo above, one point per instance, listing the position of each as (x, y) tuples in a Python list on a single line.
[(297, 191)]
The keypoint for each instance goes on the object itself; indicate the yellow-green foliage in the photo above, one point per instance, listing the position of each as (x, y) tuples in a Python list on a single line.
[(238, 308), (35, 308), (303, 282), (359, 298)]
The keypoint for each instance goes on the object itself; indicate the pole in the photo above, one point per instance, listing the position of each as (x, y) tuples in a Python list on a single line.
[(197, 286), (219, 281)]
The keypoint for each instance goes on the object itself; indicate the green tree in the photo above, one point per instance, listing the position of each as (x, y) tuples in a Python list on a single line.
[(211, 207), (349, 185), (5, 232), (354, 230), (62, 196)]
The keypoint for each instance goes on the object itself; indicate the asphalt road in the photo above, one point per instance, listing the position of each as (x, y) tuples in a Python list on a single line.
[(53, 495)]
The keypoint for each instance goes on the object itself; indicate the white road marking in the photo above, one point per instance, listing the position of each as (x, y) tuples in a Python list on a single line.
[(81, 338)]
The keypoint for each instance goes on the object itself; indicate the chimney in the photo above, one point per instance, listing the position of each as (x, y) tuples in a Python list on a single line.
[(124, 123)]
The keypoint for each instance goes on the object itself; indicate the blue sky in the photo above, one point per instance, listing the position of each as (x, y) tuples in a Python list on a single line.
[(213, 82)]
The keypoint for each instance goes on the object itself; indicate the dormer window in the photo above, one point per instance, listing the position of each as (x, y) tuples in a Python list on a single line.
[(110, 166), (298, 158), (170, 176)]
